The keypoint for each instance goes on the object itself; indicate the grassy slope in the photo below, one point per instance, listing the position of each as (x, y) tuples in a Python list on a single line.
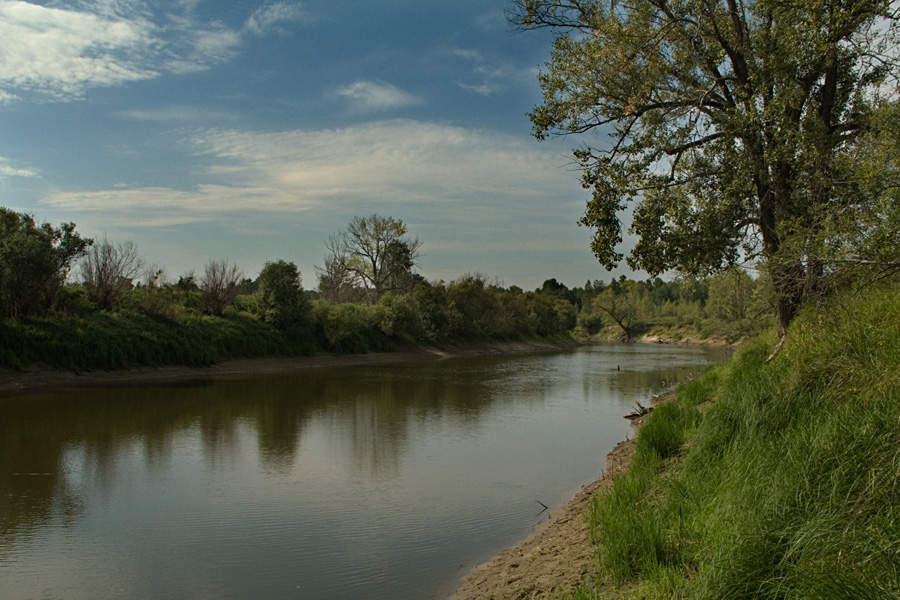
[(770, 480), (122, 339), (112, 340)]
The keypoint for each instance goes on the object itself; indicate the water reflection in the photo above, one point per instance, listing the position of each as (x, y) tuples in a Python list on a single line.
[(317, 452)]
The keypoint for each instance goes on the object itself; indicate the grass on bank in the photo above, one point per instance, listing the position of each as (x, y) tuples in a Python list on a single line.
[(769, 480)]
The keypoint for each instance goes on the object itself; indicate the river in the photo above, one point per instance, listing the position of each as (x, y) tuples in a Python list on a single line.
[(362, 482)]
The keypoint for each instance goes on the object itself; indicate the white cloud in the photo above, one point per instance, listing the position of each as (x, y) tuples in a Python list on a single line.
[(371, 96), (60, 51), (452, 169), (7, 170), (467, 53), (270, 17), (492, 21), (488, 78), (484, 88), (183, 114)]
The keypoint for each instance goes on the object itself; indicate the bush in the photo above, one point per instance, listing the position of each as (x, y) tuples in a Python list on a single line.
[(281, 299)]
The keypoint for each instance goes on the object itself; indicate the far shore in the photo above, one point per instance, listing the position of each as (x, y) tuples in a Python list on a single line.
[(45, 379)]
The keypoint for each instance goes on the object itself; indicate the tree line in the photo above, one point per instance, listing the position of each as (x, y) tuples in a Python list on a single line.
[(369, 296), (56, 285)]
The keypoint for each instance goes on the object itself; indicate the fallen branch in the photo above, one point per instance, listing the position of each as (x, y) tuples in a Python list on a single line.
[(639, 411)]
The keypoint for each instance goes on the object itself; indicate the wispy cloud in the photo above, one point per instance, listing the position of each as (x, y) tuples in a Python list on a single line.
[(467, 53), (488, 77), (492, 21), (272, 17), (382, 164), (484, 88), (373, 96), (7, 170), (59, 51), (181, 114)]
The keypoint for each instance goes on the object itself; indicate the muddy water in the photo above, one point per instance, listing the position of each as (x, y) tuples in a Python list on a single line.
[(366, 482)]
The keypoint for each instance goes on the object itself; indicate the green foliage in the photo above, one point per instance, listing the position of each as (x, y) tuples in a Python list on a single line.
[(373, 254), (282, 302), (115, 340), (399, 317), (34, 262), (434, 311), (730, 294), (349, 327), (789, 484), (74, 300), (737, 127)]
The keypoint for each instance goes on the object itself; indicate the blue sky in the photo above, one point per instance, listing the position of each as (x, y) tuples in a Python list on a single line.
[(252, 130)]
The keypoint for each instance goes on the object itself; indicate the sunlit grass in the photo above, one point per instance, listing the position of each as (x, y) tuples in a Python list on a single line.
[(771, 480)]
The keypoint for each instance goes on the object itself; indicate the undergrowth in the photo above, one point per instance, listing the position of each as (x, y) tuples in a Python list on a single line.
[(770, 480)]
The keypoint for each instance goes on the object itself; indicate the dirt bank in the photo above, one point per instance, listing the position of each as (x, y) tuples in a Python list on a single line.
[(16, 382), (559, 555)]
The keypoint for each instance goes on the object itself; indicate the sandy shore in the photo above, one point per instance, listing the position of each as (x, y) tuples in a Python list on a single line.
[(559, 555), (17, 382)]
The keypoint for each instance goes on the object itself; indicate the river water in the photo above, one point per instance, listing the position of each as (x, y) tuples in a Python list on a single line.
[(364, 482)]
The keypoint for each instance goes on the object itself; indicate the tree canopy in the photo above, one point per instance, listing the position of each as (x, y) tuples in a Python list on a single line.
[(736, 128), (34, 262), (374, 253)]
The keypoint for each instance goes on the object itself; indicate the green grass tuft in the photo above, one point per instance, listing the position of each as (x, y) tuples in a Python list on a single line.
[(771, 480)]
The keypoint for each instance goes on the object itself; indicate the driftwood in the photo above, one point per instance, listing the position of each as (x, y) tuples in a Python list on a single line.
[(639, 411)]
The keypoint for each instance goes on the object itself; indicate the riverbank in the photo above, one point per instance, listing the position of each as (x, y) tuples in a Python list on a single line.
[(679, 336), (762, 478), (554, 560), (38, 379)]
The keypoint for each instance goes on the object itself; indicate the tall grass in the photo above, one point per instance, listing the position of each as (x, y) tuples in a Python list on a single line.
[(771, 480)]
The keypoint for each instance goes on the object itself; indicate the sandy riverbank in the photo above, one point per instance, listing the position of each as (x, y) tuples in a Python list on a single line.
[(557, 557), (31, 380)]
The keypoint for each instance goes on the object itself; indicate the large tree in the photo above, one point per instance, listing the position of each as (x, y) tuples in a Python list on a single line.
[(734, 126), (375, 253)]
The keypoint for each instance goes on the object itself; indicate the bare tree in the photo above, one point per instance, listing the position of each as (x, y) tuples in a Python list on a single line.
[(108, 271), (336, 282), (219, 285)]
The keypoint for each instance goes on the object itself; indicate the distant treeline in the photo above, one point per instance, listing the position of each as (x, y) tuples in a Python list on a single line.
[(122, 313)]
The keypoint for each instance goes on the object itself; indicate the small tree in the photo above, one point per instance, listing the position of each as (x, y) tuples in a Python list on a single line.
[(108, 271), (623, 304), (730, 295), (219, 286), (283, 302)]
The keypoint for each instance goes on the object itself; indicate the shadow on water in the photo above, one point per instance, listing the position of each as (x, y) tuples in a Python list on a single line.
[(67, 454), (37, 432)]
